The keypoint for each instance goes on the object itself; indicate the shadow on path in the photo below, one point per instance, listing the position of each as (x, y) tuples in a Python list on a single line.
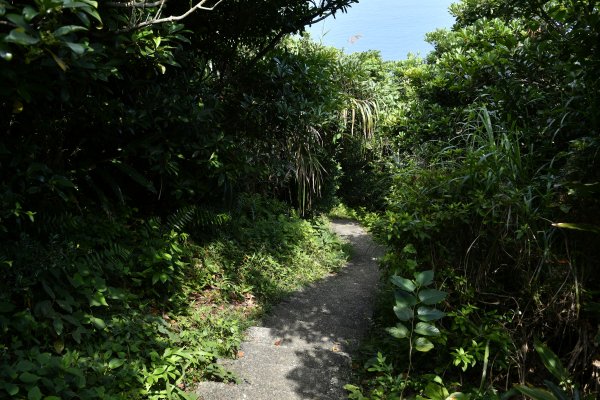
[(302, 350)]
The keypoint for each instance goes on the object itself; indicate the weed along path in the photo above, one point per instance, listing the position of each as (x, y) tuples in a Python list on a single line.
[(302, 350)]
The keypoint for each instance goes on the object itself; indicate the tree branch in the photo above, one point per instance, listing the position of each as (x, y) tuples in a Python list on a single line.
[(135, 4), (199, 6)]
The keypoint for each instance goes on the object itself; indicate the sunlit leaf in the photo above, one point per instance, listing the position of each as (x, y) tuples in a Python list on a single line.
[(578, 227), (399, 331), (98, 323), (115, 363), (425, 329), (429, 314), (423, 345)]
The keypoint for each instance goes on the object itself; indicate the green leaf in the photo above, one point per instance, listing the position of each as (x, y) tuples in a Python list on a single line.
[(424, 278), (423, 345), (403, 313), (65, 30), (535, 393), (404, 284), (19, 37), (426, 329), (551, 361), (98, 300), (429, 314), (432, 296), (25, 365), (115, 363), (65, 305), (435, 391), (98, 323), (59, 346), (399, 331), (458, 396), (29, 13), (76, 48), (78, 375), (18, 20), (556, 391), (28, 377), (404, 298), (10, 388), (34, 393), (58, 326)]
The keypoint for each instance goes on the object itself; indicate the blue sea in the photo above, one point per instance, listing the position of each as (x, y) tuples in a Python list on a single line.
[(394, 27)]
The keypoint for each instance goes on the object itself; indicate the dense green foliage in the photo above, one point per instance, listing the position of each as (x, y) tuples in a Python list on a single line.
[(155, 156), (137, 155), (118, 311), (495, 178)]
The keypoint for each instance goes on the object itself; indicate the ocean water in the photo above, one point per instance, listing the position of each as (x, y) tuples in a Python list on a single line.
[(394, 27)]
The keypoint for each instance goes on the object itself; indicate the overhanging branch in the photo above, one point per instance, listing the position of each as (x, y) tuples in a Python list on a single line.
[(135, 4), (201, 5)]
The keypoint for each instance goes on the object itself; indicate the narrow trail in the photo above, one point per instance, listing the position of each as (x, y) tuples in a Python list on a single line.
[(303, 349)]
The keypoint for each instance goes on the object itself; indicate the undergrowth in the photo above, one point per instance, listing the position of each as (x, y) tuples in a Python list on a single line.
[(116, 308)]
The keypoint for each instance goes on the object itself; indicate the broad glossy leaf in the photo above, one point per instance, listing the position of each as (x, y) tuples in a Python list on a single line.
[(429, 314), (404, 298), (29, 13), (426, 329), (432, 296), (403, 313), (65, 30), (424, 278), (423, 345), (399, 331), (19, 37), (404, 284)]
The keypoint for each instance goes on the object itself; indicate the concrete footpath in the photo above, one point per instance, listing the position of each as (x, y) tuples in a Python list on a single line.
[(302, 350)]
